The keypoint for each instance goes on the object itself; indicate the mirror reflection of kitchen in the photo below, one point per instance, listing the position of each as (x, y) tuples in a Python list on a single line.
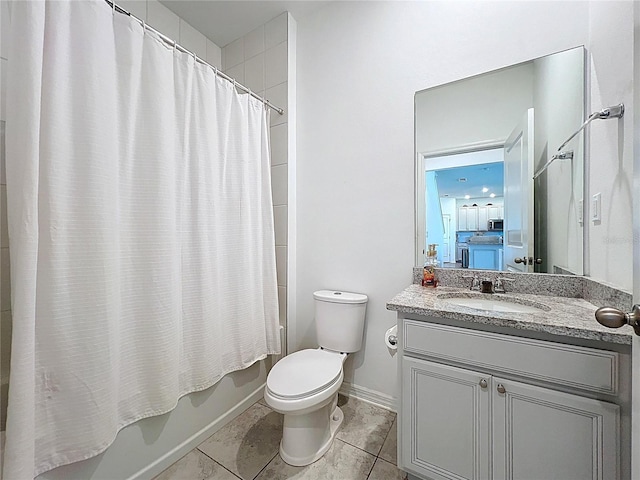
[(464, 197)]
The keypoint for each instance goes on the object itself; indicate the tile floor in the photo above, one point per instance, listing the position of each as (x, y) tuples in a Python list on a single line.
[(247, 448)]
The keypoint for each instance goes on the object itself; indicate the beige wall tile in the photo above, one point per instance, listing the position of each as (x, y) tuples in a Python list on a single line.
[(281, 265), (163, 20), (5, 24), (5, 280), (276, 65), (278, 96), (237, 72), (275, 31), (193, 40), (3, 88), (214, 54), (254, 42), (254, 73), (3, 166), (279, 184), (280, 224), (233, 54), (4, 231), (279, 146), (282, 305), (136, 7)]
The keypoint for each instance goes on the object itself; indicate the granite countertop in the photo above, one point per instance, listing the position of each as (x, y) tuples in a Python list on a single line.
[(571, 317)]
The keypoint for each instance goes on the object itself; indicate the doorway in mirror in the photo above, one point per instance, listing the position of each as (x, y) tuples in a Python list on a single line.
[(464, 204)]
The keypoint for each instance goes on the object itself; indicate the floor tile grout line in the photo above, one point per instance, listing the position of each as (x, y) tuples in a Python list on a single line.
[(371, 469), (266, 465), (217, 463), (359, 448), (387, 436)]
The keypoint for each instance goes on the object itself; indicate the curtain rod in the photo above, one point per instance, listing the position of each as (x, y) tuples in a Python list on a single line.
[(616, 111), (117, 8)]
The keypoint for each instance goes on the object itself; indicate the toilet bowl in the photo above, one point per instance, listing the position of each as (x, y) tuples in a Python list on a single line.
[(304, 385), (304, 388)]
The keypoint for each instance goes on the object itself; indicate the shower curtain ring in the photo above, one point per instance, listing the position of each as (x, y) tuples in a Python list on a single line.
[(113, 7)]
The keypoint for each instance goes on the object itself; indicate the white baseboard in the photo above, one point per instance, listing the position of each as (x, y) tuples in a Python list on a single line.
[(192, 442), (371, 396)]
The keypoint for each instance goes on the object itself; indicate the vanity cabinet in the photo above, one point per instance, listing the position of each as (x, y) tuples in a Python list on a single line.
[(481, 405)]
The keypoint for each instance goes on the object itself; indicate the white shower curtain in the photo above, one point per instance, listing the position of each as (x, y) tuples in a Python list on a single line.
[(141, 230)]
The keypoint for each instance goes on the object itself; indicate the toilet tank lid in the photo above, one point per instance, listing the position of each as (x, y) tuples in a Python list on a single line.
[(336, 296)]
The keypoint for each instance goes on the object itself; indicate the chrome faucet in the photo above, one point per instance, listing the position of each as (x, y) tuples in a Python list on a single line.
[(499, 284), (475, 281)]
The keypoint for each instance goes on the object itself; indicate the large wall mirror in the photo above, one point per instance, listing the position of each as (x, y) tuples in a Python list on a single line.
[(479, 144)]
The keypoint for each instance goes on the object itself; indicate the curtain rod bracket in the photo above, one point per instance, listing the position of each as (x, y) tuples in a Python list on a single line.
[(612, 112)]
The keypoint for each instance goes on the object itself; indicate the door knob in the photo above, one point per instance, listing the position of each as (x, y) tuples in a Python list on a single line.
[(614, 318), (520, 260), (537, 261)]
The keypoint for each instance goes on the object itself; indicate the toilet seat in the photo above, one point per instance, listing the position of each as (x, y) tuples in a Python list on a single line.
[(305, 373)]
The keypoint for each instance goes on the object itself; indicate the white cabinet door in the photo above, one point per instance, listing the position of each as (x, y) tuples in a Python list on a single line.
[(472, 219), (495, 212), (462, 219), (540, 433), (444, 422), (483, 218)]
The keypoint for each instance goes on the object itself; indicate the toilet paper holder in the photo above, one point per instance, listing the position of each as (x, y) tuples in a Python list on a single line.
[(391, 339)]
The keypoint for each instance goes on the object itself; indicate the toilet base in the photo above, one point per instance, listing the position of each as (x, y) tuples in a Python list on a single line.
[(306, 438)]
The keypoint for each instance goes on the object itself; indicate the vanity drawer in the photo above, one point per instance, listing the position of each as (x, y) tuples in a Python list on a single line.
[(575, 367)]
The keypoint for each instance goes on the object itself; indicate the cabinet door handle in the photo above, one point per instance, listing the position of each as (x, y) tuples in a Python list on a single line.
[(483, 383), (501, 388)]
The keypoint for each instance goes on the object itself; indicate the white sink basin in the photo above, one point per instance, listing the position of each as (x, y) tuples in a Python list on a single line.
[(496, 304)]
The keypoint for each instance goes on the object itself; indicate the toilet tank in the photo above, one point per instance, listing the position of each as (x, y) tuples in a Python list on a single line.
[(340, 319)]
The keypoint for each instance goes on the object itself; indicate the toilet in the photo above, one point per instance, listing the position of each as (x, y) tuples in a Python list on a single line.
[(304, 385)]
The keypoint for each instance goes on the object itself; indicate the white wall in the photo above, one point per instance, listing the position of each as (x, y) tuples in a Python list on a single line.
[(479, 109), (558, 104), (610, 146), (359, 65)]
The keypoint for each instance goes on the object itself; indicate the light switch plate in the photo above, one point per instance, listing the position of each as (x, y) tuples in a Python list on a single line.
[(596, 208)]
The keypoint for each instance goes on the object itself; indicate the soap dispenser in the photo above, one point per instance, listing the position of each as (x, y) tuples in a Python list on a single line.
[(430, 264)]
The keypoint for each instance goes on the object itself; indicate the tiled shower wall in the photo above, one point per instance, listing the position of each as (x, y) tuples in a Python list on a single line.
[(5, 289), (259, 60)]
